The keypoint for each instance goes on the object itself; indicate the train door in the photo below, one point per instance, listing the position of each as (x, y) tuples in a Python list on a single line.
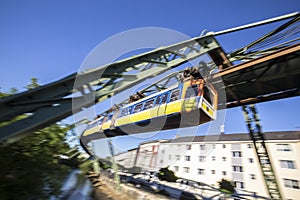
[(162, 103), (193, 95)]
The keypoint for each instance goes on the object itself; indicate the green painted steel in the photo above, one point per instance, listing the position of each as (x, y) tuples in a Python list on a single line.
[(254, 128), (50, 103)]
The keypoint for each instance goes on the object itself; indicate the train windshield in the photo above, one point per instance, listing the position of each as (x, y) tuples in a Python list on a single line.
[(208, 95)]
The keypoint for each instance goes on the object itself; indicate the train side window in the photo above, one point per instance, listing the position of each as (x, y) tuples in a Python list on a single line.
[(138, 108), (164, 98), (149, 104), (158, 100), (100, 121), (192, 91), (110, 115), (174, 95), (129, 110), (124, 112)]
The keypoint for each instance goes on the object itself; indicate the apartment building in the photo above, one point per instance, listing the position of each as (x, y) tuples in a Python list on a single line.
[(148, 155), (127, 158), (208, 159)]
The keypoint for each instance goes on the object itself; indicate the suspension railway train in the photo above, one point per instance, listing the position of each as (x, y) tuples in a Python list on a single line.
[(191, 103)]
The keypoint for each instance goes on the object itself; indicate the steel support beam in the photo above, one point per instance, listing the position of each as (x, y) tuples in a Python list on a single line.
[(51, 102)]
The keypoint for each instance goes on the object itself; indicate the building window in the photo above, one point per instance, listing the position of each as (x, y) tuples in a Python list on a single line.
[(239, 184), (236, 154), (162, 151), (201, 158), (251, 160), (170, 157), (176, 168), (186, 169), (290, 183), (249, 146), (188, 147), (289, 164), (201, 171), (202, 146), (224, 158), (237, 168), (224, 146), (224, 173), (213, 158), (213, 171), (187, 158), (283, 147), (177, 157), (161, 161), (252, 176)]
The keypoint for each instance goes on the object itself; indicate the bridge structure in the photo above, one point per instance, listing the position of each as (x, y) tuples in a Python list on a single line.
[(264, 70)]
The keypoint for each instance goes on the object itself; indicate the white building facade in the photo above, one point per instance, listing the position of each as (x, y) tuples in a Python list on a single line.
[(148, 155), (126, 159), (208, 159)]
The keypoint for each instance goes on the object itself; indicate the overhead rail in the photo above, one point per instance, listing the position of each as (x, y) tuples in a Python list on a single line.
[(52, 102)]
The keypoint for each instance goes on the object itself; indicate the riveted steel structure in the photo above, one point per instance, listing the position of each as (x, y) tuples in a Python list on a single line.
[(52, 102)]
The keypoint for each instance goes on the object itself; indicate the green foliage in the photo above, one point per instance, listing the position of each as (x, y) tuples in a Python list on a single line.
[(30, 167), (165, 174), (105, 163), (134, 170), (33, 84), (226, 186), (86, 166)]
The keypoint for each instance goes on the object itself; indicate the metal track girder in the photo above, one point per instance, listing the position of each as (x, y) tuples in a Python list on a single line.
[(254, 127), (270, 77), (51, 102)]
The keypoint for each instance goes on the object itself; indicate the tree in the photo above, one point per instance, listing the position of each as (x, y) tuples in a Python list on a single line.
[(34, 84), (226, 186), (30, 167), (134, 170), (165, 174)]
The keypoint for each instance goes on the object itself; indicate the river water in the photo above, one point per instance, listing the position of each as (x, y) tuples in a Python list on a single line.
[(75, 187)]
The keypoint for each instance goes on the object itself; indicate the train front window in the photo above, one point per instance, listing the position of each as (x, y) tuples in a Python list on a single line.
[(207, 95), (174, 95), (192, 91)]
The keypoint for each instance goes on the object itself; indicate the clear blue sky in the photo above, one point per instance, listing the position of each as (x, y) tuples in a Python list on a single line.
[(50, 39)]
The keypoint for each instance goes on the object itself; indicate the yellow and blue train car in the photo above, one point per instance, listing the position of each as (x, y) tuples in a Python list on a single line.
[(191, 103)]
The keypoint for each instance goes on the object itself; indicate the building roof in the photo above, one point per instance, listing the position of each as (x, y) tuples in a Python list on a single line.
[(285, 135), (153, 141)]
